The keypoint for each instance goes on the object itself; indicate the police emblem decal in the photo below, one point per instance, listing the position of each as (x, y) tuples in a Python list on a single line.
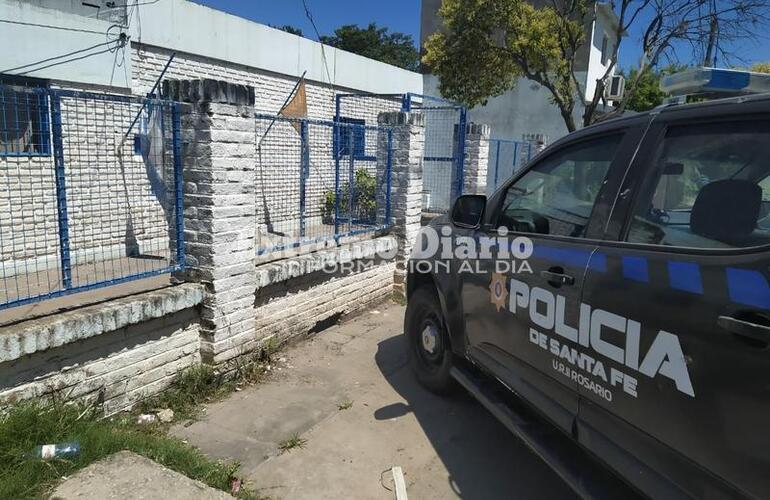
[(497, 290)]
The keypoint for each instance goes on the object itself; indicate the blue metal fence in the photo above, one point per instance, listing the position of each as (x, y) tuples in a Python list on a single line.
[(443, 162), (506, 157), (445, 121), (87, 199), (320, 181)]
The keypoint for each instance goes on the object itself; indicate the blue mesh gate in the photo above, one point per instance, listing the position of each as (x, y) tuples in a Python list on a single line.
[(506, 157), (90, 191), (444, 138), (319, 181)]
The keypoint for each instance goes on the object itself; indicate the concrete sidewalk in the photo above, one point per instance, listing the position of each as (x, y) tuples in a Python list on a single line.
[(126, 475), (448, 448)]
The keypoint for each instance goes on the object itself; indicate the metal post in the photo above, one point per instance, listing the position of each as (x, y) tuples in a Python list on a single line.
[(337, 107), (497, 161), (515, 156), (45, 147), (460, 152), (337, 153), (176, 134), (351, 174), (304, 169), (61, 192), (388, 181), (406, 102)]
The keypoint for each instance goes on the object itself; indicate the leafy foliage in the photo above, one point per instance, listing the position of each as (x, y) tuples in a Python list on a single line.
[(289, 29), (486, 45), (364, 198), (376, 43), (763, 67), (648, 93), (489, 44)]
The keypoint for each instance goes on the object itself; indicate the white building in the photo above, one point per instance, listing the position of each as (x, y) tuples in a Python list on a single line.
[(209, 44)]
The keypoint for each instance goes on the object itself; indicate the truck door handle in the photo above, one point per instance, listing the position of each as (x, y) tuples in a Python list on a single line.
[(743, 328), (556, 277)]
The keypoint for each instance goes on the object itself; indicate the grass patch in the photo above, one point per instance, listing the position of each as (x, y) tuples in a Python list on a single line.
[(27, 425), (292, 443), (346, 405), (398, 298), (203, 384)]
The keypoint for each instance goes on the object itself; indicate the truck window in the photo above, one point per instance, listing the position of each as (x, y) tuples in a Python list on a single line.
[(709, 188), (557, 196)]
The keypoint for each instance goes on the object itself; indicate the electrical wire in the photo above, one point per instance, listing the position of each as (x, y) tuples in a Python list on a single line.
[(323, 52), (50, 26), (118, 40), (65, 61), (136, 4)]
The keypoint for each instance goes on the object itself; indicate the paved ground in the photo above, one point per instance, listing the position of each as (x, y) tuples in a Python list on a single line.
[(448, 448), (128, 475)]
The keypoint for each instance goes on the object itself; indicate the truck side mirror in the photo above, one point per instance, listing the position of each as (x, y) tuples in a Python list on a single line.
[(468, 210)]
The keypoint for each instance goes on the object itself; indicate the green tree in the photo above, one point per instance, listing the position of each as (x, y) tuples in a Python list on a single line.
[(648, 93), (376, 43), (289, 29), (487, 45)]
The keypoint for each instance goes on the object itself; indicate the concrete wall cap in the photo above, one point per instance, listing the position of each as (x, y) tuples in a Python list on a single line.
[(294, 267), (539, 138), (207, 90), (59, 329), (391, 118)]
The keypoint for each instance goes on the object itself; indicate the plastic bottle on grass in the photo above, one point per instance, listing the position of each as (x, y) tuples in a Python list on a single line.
[(59, 450)]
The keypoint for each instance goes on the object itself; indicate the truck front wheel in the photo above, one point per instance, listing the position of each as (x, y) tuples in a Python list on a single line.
[(430, 354)]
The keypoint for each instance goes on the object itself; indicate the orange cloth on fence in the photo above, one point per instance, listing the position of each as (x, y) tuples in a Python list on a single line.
[(297, 107)]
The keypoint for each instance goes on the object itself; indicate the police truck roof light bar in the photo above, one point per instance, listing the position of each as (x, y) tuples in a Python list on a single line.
[(715, 81)]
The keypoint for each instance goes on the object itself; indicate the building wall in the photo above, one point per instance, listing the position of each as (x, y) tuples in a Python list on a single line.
[(191, 28), (523, 110), (33, 41), (604, 25), (278, 160)]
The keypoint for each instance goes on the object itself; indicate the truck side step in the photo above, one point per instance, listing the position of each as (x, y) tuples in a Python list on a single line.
[(575, 466)]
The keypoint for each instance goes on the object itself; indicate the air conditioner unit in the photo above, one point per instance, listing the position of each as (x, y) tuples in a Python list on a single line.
[(615, 90)]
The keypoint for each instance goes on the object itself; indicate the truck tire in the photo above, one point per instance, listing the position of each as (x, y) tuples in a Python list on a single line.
[(430, 354)]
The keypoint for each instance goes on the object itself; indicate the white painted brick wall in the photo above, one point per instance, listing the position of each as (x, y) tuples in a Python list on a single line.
[(271, 89), (121, 367), (296, 312), (476, 159), (278, 165)]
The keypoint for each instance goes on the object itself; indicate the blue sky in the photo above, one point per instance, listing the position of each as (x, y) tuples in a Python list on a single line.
[(404, 16), (397, 15)]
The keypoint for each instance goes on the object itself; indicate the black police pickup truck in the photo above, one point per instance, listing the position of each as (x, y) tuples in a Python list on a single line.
[(617, 287)]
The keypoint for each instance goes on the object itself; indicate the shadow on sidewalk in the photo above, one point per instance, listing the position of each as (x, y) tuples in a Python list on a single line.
[(483, 459)]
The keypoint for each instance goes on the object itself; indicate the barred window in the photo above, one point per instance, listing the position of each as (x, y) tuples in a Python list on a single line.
[(24, 118), (356, 127)]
